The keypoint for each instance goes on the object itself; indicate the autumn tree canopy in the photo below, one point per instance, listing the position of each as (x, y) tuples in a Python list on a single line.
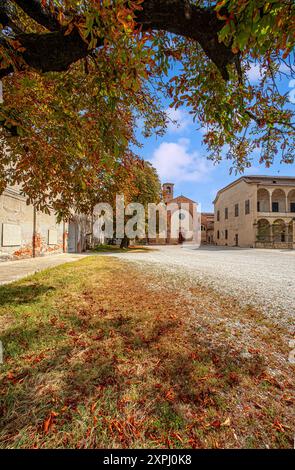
[(79, 74), (145, 188)]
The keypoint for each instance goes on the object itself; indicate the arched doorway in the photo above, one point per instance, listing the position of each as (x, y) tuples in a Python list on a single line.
[(263, 231), (291, 201), (279, 231), (278, 200)]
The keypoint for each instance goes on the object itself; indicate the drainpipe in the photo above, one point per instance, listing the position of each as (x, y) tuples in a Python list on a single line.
[(63, 236), (34, 232), (92, 224)]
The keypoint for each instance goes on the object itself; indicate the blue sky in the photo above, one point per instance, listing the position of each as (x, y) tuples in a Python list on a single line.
[(180, 157)]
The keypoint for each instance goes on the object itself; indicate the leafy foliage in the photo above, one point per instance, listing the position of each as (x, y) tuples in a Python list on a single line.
[(74, 130), (79, 75)]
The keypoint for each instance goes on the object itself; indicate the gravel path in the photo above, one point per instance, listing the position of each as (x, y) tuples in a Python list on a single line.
[(263, 278)]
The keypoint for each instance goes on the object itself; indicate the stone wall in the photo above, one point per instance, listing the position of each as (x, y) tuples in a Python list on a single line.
[(240, 226), (25, 232), (277, 246)]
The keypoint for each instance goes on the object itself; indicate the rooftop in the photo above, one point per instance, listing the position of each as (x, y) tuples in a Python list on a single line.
[(256, 179)]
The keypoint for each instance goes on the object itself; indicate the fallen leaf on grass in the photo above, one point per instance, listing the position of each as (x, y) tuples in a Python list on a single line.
[(177, 436), (49, 421), (226, 422), (216, 423), (93, 406), (170, 395), (279, 426), (11, 377)]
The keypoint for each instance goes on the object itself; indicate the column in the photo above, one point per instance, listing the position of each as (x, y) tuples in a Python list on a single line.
[(256, 239), (287, 232), (271, 237)]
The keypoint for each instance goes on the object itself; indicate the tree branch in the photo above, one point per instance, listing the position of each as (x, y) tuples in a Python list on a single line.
[(40, 14), (6, 21), (187, 20), (56, 52), (53, 52)]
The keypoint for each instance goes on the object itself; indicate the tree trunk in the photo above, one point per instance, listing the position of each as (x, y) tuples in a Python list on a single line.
[(125, 242)]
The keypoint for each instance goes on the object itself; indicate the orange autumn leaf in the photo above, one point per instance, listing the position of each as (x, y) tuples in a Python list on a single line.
[(170, 395), (49, 421)]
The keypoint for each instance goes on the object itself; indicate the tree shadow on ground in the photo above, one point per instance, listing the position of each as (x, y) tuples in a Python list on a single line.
[(107, 368), (22, 294)]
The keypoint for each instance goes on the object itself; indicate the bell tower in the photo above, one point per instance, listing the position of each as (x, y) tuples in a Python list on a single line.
[(168, 192)]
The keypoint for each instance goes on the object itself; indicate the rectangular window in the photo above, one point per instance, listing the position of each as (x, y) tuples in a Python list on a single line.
[(236, 210), (292, 207), (258, 206), (218, 216), (226, 213), (275, 207), (247, 207), (226, 234), (218, 235)]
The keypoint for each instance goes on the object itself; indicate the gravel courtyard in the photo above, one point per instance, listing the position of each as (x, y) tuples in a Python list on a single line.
[(263, 278)]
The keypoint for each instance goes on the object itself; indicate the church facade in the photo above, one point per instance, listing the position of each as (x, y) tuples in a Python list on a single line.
[(206, 222)]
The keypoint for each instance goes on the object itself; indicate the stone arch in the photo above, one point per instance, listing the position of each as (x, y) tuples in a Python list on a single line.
[(263, 230), (263, 200), (278, 199), (291, 201), (279, 231)]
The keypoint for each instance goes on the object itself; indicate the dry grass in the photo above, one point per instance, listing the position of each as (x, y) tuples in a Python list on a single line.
[(99, 354)]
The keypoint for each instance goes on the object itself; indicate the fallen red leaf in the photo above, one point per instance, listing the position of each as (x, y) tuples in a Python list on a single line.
[(216, 423)]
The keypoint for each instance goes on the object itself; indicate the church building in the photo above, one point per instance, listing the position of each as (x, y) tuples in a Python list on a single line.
[(207, 219)]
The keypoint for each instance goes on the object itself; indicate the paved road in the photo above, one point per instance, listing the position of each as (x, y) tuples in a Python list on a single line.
[(13, 270), (254, 276)]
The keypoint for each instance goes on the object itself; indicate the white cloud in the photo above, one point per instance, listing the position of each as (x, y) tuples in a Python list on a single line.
[(254, 73), (178, 119), (175, 162)]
